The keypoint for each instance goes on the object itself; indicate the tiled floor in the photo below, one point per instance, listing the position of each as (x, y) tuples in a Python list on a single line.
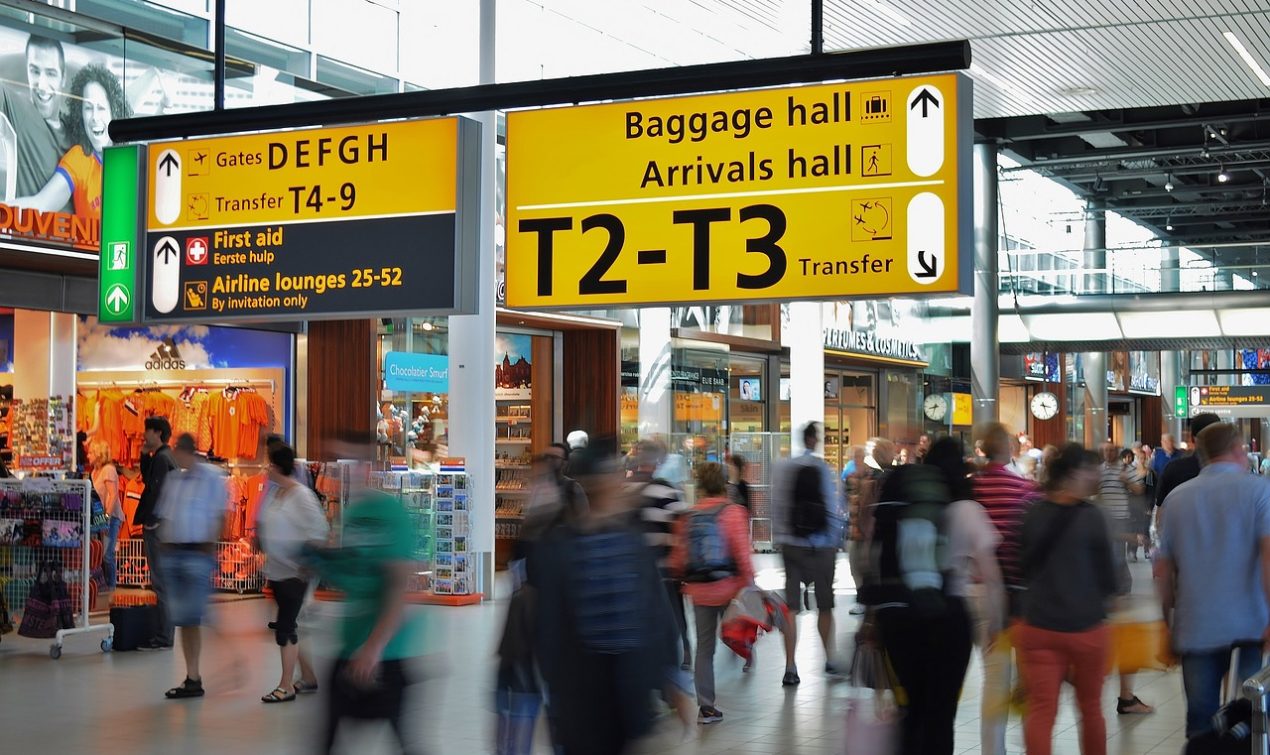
[(87, 702)]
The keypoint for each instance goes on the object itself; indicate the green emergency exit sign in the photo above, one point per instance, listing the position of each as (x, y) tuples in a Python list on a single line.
[(1181, 407), (117, 283)]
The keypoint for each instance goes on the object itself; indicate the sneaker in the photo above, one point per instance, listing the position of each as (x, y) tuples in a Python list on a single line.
[(709, 715), (791, 679), (857, 610), (1132, 706)]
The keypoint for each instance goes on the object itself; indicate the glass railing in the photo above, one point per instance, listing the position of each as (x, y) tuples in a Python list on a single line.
[(1140, 270)]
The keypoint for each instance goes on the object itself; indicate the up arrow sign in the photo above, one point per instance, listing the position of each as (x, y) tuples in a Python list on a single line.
[(167, 250), (117, 299), (926, 99), (169, 161)]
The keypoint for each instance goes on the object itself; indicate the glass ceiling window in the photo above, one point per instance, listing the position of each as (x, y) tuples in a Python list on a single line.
[(557, 38), (361, 32), (285, 21)]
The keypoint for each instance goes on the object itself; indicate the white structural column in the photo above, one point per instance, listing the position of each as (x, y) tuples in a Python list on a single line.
[(985, 359), (1095, 398), (1170, 378), (472, 349), (655, 399), (1096, 248), (806, 369), (1170, 269), (43, 354)]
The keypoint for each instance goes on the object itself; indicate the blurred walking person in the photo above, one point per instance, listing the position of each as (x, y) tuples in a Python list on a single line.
[(1067, 565), (929, 538), (518, 696), (1116, 484), (1005, 497), (604, 637), (191, 513), (660, 506), (712, 554), (377, 636), (290, 519), (808, 523), (863, 486), (1214, 571)]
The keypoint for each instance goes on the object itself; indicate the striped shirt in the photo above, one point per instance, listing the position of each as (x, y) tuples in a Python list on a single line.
[(1113, 497), (1006, 497), (660, 505)]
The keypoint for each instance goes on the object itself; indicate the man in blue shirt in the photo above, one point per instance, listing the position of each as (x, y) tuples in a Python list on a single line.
[(1214, 571), (811, 558), (1167, 452)]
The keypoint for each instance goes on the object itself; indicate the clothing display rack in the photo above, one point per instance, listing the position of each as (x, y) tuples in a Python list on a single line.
[(206, 383), (23, 561)]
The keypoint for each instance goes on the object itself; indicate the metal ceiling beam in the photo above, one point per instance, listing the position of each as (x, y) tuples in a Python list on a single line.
[(1192, 208), (1142, 153), (1114, 174), (625, 85), (1261, 110)]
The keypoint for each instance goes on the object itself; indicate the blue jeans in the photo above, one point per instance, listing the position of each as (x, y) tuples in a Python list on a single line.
[(1202, 675), (108, 566), (187, 580)]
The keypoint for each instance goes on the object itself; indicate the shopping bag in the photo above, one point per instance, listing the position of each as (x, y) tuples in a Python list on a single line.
[(47, 606), (870, 728), (1140, 645)]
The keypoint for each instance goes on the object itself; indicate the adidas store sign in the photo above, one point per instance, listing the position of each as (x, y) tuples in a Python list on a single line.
[(166, 357)]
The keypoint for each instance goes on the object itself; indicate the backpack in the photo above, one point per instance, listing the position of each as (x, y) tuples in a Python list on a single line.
[(912, 563), (708, 557), (809, 514)]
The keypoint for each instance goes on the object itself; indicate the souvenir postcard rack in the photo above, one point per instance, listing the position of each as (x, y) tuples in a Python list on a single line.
[(55, 517)]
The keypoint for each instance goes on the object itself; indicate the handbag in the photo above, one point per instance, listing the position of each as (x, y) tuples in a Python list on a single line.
[(48, 606), (1140, 645), (6, 621)]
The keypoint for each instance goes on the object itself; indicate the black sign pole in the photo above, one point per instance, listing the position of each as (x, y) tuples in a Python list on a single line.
[(219, 72), (817, 27)]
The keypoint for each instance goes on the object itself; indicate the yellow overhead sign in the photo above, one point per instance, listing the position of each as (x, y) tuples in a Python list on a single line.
[(817, 192), (287, 176)]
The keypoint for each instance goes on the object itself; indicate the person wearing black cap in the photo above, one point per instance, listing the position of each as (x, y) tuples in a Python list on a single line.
[(1183, 468)]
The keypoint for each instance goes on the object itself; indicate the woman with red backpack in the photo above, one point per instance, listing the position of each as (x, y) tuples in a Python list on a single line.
[(712, 555)]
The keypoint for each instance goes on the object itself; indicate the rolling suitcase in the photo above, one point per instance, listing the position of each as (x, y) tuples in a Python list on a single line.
[(134, 625)]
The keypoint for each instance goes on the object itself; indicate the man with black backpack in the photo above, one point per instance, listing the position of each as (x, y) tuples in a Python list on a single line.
[(807, 524)]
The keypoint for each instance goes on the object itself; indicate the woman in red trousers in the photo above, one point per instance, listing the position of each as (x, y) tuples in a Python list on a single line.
[(1067, 563)]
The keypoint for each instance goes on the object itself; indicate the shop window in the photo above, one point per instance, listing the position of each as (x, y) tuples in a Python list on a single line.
[(747, 396), (744, 321)]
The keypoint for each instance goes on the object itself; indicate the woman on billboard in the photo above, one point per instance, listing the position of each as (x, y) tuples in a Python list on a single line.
[(96, 98)]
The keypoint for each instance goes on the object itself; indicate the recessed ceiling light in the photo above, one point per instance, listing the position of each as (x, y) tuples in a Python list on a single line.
[(1252, 62), (982, 73)]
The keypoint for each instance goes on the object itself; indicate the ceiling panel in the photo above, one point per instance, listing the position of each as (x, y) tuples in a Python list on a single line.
[(1049, 56)]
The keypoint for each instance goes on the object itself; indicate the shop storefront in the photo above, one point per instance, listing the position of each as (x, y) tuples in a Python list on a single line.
[(541, 393)]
